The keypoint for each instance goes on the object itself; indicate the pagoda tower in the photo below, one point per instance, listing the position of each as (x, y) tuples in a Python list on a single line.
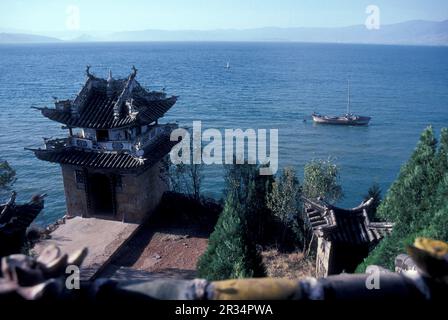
[(112, 158)]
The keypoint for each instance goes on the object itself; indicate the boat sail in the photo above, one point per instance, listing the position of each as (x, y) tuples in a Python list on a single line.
[(348, 119)]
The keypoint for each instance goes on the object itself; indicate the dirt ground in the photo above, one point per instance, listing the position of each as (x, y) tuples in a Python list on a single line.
[(287, 265), (169, 245), (171, 251)]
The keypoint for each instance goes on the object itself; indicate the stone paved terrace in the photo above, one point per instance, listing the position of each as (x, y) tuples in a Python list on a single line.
[(103, 238)]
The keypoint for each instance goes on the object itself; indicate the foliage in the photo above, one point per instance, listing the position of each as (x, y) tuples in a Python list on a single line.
[(375, 193), (321, 179), (230, 253), (254, 204), (417, 201), (187, 178), (7, 174), (285, 203), (251, 188), (442, 155), (409, 196), (238, 178)]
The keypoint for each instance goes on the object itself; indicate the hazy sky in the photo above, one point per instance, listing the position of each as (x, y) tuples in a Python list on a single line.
[(102, 15)]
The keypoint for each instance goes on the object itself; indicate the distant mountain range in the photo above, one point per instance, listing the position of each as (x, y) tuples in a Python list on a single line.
[(416, 32), (25, 38)]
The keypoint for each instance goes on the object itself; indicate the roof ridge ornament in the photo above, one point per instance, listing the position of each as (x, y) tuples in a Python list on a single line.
[(110, 84), (134, 70), (88, 71), (125, 93), (110, 78)]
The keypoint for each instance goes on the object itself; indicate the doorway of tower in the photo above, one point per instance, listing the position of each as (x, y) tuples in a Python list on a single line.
[(101, 194)]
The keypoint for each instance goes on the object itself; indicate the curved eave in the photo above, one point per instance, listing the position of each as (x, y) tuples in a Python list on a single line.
[(99, 160), (147, 115), (96, 121), (106, 160)]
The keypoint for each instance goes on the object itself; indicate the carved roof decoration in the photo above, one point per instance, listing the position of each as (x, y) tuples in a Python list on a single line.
[(110, 103)]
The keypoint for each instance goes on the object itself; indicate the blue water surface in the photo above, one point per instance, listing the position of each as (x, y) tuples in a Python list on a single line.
[(269, 85)]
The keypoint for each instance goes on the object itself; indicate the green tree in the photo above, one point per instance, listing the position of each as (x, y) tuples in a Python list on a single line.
[(230, 253), (375, 193), (442, 154), (321, 179), (258, 215), (251, 189), (237, 179), (439, 196), (409, 197), (7, 174), (284, 201), (439, 222), (417, 201)]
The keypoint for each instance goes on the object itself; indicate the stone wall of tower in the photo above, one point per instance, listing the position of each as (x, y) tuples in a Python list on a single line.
[(140, 194), (136, 196), (75, 194)]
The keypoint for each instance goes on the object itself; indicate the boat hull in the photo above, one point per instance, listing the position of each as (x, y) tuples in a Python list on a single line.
[(345, 121)]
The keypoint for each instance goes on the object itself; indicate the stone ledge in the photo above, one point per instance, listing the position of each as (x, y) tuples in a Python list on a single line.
[(103, 238)]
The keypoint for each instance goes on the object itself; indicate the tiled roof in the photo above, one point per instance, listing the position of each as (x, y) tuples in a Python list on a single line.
[(111, 103), (98, 112), (350, 226), (108, 160)]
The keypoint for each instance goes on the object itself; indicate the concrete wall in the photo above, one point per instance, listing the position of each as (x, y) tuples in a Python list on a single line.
[(137, 197)]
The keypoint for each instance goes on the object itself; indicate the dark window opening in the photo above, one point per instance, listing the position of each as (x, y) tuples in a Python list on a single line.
[(102, 135), (101, 194)]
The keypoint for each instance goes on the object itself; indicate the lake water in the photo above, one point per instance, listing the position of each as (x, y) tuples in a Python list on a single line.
[(269, 85)]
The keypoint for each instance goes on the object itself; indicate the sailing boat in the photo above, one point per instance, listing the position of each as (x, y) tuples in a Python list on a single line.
[(228, 65), (348, 119)]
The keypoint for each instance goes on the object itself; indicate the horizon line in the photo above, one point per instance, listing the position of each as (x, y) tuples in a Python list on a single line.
[(205, 30)]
